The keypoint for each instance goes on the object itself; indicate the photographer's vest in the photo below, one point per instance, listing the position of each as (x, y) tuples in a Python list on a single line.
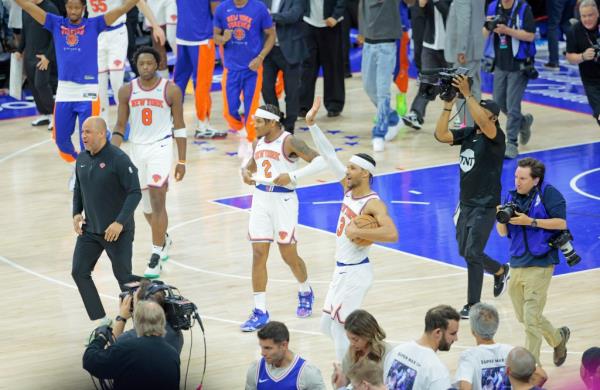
[(524, 238), (521, 49)]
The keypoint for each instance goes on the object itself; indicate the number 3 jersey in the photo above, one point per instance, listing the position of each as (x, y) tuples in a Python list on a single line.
[(346, 251), (149, 113), (271, 160)]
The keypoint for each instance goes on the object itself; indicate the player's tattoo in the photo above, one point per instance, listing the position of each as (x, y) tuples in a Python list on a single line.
[(300, 149)]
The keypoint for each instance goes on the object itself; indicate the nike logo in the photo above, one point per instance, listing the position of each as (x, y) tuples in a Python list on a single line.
[(82, 166), (341, 273), (262, 380), (286, 199)]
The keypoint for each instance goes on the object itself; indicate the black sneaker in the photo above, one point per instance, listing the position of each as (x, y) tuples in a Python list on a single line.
[(501, 281), (525, 130), (412, 120), (464, 313), (552, 66), (560, 352)]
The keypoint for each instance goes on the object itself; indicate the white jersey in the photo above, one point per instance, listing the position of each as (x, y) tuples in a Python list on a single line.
[(346, 251), (149, 113), (271, 160), (484, 366), (101, 7)]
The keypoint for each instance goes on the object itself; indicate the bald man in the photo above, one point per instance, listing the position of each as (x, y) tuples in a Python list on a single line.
[(520, 368), (107, 191)]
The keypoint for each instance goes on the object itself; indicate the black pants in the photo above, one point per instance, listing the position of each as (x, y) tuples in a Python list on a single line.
[(88, 249), (430, 59), (417, 24), (132, 25), (275, 62), (325, 50), (40, 84), (350, 21), (472, 232), (592, 90)]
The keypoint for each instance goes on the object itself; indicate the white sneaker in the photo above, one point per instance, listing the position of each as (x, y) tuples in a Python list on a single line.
[(164, 254), (378, 144), (154, 267), (392, 133), (41, 120), (51, 123)]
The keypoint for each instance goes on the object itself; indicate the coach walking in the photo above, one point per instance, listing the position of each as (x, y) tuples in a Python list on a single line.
[(107, 189)]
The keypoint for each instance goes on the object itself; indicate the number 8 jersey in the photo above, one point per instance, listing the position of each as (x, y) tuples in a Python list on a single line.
[(149, 113)]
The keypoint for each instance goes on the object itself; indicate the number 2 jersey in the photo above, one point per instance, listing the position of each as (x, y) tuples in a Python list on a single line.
[(149, 113), (271, 160), (346, 251)]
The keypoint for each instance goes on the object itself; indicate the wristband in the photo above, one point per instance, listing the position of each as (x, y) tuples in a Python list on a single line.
[(181, 162), (447, 109), (180, 133), (119, 134), (119, 318)]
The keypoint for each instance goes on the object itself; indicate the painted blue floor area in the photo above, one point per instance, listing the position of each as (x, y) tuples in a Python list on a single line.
[(426, 228)]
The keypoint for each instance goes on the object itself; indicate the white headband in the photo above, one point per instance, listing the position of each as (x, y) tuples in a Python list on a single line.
[(260, 113), (364, 164)]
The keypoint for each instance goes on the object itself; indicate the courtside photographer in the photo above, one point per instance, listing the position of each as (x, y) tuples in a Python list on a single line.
[(481, 157), (583, 48), (533, 217)]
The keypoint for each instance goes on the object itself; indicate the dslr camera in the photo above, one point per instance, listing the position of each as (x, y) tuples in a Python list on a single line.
[(436, 82), (491, 24), (596, 47), (562, 241), (507, 211)]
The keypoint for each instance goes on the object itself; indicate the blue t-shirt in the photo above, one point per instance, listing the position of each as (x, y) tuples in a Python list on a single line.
[(247, 24), (556, 207), (76, 47), (194, 20)]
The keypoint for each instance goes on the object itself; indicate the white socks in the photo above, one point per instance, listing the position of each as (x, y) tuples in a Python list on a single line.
[(304, 287), (260, 301), (156, 249)]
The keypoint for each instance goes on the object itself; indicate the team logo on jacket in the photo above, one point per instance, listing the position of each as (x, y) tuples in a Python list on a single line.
[(156, 178), (282, 235)]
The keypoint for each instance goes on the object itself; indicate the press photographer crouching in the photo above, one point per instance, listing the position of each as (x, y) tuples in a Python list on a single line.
[(533, 216), (147, 291), (144, 362), (583, 48)]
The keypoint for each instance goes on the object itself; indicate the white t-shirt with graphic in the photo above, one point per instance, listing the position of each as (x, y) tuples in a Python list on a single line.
[(411, 366), (484, 366)]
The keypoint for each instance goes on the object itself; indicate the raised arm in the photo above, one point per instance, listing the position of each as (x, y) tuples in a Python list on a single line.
[(111, 16), (157, 31), (122, 115), (32, 9)]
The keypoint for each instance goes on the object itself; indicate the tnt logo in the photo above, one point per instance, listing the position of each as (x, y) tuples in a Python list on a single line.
[(239, 34), (467, 160), (156, 178), (72, 40)]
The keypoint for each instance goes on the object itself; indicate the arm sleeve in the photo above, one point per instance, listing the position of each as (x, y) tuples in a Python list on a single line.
[(77, 199), (129, 181), (290, 16), (311, 378), (327, 150), (251, 376)]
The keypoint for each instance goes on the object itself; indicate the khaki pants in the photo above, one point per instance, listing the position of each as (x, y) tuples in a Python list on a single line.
[(528, 288)]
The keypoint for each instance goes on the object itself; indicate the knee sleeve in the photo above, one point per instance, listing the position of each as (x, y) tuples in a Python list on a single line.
[(146, 204)]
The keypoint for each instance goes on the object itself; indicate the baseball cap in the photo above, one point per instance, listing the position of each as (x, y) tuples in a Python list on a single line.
[(491, 106)]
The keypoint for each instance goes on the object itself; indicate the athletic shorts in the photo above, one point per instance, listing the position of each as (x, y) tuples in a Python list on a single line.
[(112, 49), (165, 11), (153, 161), (273, 217), (347, 290)]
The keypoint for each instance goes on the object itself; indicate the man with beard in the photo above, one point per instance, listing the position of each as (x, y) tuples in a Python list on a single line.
[(415, 364), (353, 274)]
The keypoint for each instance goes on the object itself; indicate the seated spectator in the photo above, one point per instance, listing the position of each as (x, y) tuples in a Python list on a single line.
[(279, 368), (366, 375), (487, 361), (366, 343), (520, 368), (590, 368), (415, 365), (144, 362), (146, 292)]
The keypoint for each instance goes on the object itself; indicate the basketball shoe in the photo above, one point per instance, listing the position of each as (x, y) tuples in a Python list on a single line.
[(257, 320), (154, 267), (501, 281), (164, 253), (305, 302)]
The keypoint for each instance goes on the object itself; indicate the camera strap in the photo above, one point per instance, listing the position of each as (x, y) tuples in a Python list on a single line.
[(516, 6)]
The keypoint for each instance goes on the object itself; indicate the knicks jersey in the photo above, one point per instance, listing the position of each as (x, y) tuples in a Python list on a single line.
[(149, 113), (271, 160), (101, 7), (346, 251), (288, 381)]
